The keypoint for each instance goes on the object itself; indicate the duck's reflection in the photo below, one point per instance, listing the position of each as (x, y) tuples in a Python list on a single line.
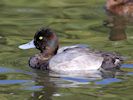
[(51, 82), (49, 88), (117, 26), (118, 20)]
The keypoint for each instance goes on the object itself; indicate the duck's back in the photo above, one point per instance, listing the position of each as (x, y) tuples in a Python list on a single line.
[(75, 59), (120, 7)]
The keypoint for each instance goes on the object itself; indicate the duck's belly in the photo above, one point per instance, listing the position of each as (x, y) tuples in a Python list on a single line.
[(69, 62)]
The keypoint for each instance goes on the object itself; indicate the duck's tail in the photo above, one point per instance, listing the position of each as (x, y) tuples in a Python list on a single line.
[(111, 61)]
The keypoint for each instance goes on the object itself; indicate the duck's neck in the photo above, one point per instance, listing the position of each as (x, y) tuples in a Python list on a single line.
[(49, 51), (51, 47)]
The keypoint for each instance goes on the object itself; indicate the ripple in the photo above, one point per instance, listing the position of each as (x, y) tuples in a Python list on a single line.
[(108, 81), (6, 70), (127, 66), (9, 82), (130, 73), (37, 88), (76, 79), (9, 70)]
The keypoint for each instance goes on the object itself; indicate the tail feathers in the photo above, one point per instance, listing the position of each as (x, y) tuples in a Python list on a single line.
[(111, 61)]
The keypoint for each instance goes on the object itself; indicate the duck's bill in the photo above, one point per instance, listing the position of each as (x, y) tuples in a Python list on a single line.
[(28, 45)]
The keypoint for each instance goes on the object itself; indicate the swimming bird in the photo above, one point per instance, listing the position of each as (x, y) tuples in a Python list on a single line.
[(69, 59), (120, 7)]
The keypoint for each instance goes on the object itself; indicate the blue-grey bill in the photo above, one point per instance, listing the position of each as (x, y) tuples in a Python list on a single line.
[(27, 45)]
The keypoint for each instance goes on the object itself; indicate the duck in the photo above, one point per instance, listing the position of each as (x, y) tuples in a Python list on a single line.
[(120, 7), (68, 59)]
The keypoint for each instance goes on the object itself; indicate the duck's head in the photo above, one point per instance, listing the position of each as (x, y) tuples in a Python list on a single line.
[(44, 40)]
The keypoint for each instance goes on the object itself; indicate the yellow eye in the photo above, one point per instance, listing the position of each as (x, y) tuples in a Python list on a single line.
[(40, 38)]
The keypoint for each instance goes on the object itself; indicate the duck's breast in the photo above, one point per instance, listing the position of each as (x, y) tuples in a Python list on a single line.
[(78, 59)]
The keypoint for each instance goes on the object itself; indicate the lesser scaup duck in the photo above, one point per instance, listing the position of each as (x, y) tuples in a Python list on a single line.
[(120, 7), (69, 59)]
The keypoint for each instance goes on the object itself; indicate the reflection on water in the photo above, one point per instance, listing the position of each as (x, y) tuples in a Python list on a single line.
[(108, 81), (127, 66), (46, 85), (53, 83), (7, 82), (117, 25), (9, 70), (119, 16)]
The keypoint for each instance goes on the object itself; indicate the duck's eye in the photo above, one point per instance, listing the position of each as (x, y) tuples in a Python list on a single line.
[(40, 38)]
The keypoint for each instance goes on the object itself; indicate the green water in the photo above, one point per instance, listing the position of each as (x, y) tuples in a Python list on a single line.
[(74, 21)]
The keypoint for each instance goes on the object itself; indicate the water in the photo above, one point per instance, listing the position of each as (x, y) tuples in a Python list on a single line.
[(75, 22)]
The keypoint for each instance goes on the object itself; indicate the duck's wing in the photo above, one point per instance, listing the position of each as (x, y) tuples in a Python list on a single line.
[(75, 60), (71, 47)]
